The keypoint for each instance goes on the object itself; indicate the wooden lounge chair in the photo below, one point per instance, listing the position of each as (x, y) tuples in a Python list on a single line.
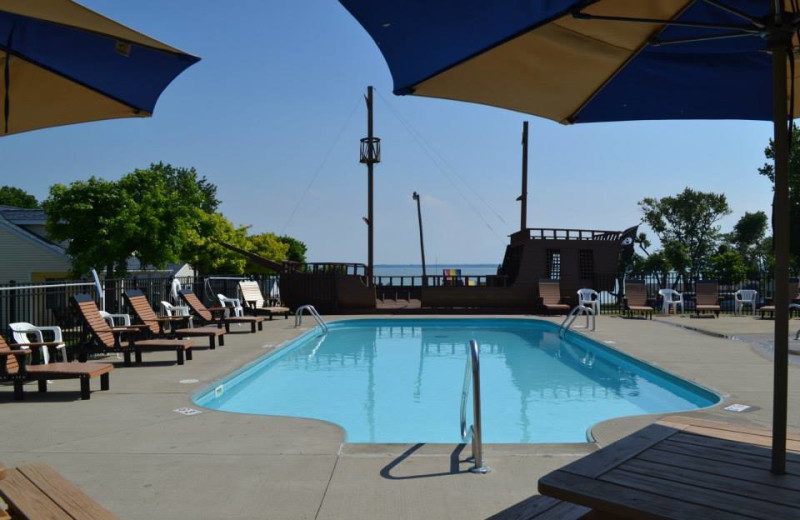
[(14, 367), (217, 315), (706, 297), (37, 491), (107, 339), (254, 301), (550, 297), (636, 299), (142, 310), (794, 295)]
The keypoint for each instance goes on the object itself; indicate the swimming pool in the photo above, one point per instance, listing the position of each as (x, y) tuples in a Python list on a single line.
[(399, 380)]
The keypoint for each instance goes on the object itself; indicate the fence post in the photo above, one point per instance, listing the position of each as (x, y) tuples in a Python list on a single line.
[(12, 303)]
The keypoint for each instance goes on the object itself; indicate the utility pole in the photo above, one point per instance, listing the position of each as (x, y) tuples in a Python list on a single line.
[(370, 154), (523, 225), (415, 196)]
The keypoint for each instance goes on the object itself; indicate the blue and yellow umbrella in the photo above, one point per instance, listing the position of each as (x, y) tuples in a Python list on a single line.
[(584, 61), (61, 63)]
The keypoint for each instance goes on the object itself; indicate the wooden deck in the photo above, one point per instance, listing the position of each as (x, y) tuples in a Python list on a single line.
[(684, 469)]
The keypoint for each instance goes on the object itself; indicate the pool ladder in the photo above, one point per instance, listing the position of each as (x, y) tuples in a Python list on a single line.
[(298, 317), (472, 373), (573, 315)]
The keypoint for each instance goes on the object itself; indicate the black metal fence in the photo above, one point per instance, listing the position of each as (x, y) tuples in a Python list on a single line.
[(49, 304)]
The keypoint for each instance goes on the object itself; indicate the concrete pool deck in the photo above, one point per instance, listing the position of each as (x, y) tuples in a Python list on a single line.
[(130, 451)]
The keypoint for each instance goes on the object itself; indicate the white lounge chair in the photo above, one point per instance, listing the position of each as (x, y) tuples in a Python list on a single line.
[(252, 297), (671, 298), (744, 297)]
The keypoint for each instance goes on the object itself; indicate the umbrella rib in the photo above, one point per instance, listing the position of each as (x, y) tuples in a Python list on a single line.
[(699, 25), (655, 42), (719, 5), (572, 118), (74, 80)]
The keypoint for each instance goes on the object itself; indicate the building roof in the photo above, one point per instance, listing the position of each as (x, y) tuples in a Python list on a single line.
[(22, 216)]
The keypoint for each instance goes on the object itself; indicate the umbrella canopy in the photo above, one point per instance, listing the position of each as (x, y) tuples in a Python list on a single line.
[(579, 61), (61, 63)]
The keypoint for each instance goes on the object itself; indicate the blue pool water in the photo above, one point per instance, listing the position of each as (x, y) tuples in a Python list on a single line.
[(400, 380)]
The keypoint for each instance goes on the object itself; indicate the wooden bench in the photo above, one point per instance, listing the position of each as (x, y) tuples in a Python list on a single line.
[(36, 491)]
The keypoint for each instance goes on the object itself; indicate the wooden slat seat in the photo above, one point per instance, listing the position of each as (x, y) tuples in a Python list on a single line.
[(540, 507), (255, 301), (707, 297), (37, 491), (14, 367), (636, 299), (107, 339), (550, 297), (155, 325), (217, 316)]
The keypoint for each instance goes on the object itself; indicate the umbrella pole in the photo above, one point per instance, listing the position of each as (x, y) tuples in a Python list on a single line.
[(780, 218)]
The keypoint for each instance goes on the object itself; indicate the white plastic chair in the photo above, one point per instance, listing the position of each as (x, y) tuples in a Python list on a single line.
[(671, 298), (589, 298), (744, 297), (231, 303), (177, 310), (116, 320), (21, 332)]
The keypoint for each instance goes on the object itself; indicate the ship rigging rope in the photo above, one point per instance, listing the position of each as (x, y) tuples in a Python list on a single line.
[(438, 160), (321, 165)]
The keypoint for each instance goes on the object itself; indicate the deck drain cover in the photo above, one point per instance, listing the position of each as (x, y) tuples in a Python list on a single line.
[(737, 407), (187, 411), (188, 381)]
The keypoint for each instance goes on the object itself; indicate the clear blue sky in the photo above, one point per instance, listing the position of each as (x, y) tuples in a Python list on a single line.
[(280, 81)]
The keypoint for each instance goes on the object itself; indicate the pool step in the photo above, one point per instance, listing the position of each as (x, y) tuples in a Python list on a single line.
[(540, 507)]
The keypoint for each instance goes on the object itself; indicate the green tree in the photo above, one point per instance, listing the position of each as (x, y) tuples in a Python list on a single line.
[(768, 170), (269, 246), (297, 249), (92, 217), (148, 214), (728, 266), (11, 196), (203, 251), (747, 238), (688, 220)]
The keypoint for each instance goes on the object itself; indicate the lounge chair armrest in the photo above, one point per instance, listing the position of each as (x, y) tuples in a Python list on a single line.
[(22, 358), (21, 353), (39, 344)]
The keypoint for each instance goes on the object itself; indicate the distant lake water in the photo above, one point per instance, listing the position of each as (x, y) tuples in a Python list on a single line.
[(434, 269)]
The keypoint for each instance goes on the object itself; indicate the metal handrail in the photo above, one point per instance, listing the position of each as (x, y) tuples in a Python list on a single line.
[(298, 317), (573, 314), (472, 372)]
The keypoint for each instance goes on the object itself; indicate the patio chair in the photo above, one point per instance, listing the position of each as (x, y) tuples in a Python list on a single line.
[(176, 310), (32, 336), (793, 295), (671, 300), (232, 304), (14, 368), (255, 301), (589, 298), (143, 312), (744, 297), (109, 339), (636, 299), (38, 491), (217, 315), (550, 297), (706, 298)]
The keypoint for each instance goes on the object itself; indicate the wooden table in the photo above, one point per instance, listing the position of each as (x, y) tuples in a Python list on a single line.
[(695, 470)]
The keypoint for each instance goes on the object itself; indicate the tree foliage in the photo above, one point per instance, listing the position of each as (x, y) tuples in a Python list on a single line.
[(297, 249), (686, 225), (203, 251), (269, 246), (768, 170), (148, 214), (93, 218), (12, 196)]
